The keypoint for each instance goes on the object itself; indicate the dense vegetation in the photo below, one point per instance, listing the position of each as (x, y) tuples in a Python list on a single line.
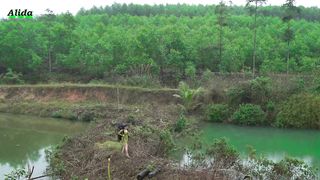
[(149, 45), (158, 42), (287, 103)]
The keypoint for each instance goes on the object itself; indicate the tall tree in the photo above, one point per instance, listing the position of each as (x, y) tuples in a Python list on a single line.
[(291, 11), (256, 3), (49, 19), (221, 12)]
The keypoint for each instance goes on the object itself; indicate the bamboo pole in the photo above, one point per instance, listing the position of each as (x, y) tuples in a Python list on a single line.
[(109, 171)]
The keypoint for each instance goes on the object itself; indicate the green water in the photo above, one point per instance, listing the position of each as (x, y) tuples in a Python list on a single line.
[(273, 143), (23, 140)]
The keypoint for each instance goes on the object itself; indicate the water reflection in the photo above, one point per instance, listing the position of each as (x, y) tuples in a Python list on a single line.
[(272, 143), (23, 140)]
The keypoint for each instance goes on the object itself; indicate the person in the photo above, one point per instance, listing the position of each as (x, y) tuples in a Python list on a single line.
[(124, 133), (120, 131)]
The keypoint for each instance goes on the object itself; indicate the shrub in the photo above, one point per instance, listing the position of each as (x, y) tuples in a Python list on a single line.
[(287, 168), (190, 70), (11, 77), (217, 112), (236, 95), (316, 85), (260, 88), (86, 116), (249, 114), (180, 124), (256, 91), (292, 168), (300, 111), (296, 85), (206, 76), (270, 106), (224, 155), (187, 95), (142, 81), (166, 142), (16, 174)]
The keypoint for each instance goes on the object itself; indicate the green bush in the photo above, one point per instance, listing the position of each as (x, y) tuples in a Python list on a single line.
[(288, 168), (180, 124), (316, 85), (86, 116), (11, 77), (237, 95), (142, 81), (249, 114), (206, 76), (270, 106), (296, 85), (224, 155), (190, 70), (300, 111), (16, 174), (255, 91), (217, 112), (166, 142), (260, 89), (187, 95)]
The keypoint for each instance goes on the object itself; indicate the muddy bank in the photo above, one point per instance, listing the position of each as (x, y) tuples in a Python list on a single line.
[(81, 102), (80, 93)]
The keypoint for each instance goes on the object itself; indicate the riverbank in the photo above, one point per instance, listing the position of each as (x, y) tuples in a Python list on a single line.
[(153, 116), (80, 102)]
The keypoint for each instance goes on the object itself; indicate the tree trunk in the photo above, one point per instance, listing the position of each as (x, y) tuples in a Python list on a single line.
[(50, 62), (254, 40), (288, 57), (220, 45), (288, 49)]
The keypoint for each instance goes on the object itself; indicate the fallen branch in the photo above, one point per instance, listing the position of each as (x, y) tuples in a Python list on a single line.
[(38, 177)]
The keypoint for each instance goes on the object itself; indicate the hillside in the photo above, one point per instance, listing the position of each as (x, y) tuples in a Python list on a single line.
[(170, 44)]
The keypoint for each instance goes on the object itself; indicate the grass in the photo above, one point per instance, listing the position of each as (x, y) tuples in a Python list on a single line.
[(63, 85), (84, 111)]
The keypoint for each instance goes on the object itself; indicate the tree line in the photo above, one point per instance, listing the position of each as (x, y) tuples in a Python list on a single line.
[(187, 39)]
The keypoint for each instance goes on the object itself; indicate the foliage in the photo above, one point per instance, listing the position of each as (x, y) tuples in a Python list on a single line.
[(217, 112), (270, 106), (187, 95), (11, 77), (236, 95), (161, 41), (16, 174), (166, 142), (260, 88), (316, 83), (224, 155), (190, 70), (180, 124), (141, 81), (144, 131), (221, 155), (109, 145), (300, 111), (255, 91), (206, 75), (56, 165), (293, 168), (249, 114), (86, 116), (297, 85), (287, 168)]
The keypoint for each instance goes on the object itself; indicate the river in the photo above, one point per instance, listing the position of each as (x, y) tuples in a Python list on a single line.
[(272, 143), (24, 139)]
